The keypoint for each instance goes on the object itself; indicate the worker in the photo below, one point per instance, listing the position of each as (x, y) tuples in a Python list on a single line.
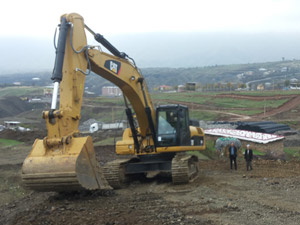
[(233, 155), (248, 157)]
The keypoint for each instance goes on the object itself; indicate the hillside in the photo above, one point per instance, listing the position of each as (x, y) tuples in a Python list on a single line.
[(275, 73)]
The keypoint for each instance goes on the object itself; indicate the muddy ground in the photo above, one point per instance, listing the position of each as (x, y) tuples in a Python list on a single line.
[(270, 194)]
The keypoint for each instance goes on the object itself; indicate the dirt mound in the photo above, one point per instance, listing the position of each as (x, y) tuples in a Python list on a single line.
[(12, 106)]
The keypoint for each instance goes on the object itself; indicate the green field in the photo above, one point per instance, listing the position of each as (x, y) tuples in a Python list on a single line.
[(247, 107), (9, 142), (224, 105), (20, 91), (224, 102), (269, 93), (292, 152), (245, 103), (105, 100), (112, 108)]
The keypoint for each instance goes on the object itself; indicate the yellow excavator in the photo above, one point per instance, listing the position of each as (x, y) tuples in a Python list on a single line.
[(65, 161)]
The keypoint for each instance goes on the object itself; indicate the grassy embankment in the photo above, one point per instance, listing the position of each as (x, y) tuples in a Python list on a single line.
[(215, 104), (113, 108), (212, 102), (20, 91), (9, 142)]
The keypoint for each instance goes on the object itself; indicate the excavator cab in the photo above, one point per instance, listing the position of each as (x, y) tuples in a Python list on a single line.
[(172, 126)]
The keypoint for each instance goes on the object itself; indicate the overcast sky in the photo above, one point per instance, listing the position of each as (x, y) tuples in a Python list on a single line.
[(156, 33), (37, 18)]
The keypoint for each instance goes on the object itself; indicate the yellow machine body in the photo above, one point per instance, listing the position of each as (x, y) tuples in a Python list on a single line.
[(126, 145), (63, 161)]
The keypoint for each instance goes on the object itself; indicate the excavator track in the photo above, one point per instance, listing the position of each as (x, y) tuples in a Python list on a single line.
[(114, 173), (184, 168)]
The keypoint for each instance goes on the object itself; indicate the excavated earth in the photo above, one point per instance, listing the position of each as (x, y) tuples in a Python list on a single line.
[(270, 194)]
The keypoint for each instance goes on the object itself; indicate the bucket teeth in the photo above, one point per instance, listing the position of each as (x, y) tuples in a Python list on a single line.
[(51, 182)]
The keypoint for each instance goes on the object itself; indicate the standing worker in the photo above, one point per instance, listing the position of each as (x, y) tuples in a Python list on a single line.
[(249, 157), (233, 155)]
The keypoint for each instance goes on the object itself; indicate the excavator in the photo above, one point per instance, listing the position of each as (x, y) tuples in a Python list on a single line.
[(157, 139)]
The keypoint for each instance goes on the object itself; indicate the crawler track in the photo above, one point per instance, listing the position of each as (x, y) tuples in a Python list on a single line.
[(114, 173), (184, 168)]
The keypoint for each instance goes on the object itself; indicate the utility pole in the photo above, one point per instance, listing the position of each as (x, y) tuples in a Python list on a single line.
[(264, 106)]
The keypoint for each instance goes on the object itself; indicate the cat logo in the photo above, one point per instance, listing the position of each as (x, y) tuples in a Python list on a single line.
[(113, 66)]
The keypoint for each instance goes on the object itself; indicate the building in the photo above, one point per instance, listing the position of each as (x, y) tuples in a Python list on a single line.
[(262, 69), (122, 125), (249, 73), (284, 69), (181, 88), (294, 84), (192, 86), (11, 124), (260, 87), (164, 88), (48, 91), (111, 91)]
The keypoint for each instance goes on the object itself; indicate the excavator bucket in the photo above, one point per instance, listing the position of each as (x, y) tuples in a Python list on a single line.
[(68, 167)]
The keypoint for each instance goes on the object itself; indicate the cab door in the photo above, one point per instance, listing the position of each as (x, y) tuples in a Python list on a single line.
[(183, 127)]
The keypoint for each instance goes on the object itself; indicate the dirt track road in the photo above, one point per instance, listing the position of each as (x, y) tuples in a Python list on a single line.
[(270, 194), (291, 104)]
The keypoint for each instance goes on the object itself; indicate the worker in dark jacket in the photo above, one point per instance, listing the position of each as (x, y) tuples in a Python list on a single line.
[(249, 157), (233, 155)]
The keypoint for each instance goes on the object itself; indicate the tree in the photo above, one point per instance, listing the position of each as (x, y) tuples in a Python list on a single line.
[(287, 83), (242, 85)]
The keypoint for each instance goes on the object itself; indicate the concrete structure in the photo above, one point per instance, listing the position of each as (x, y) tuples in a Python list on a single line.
[(114, 126), (267, 143), (181, 88), (11, 124), (111, 91), (294, 84), (192, 86)]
